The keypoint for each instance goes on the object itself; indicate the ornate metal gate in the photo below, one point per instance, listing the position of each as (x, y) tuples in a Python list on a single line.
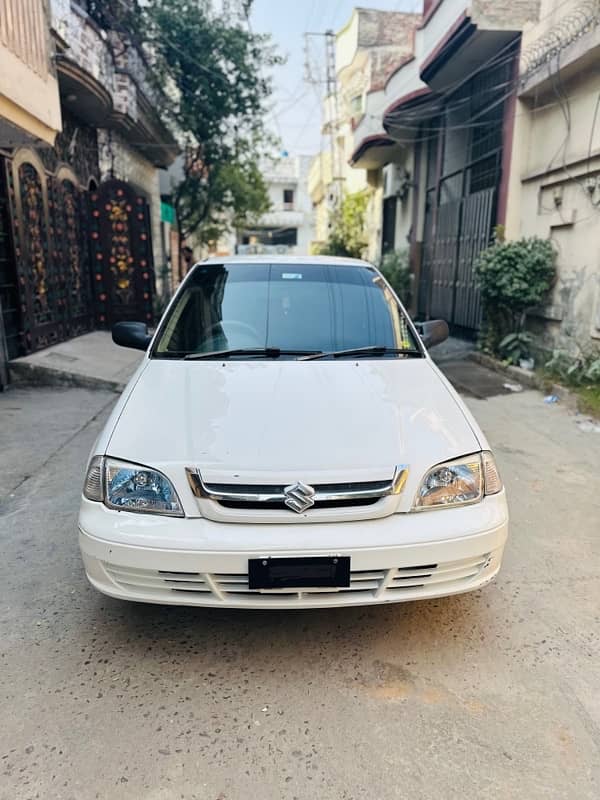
[(69, 213), (9, 295), (69, 261), (122, 254), (50, 256)]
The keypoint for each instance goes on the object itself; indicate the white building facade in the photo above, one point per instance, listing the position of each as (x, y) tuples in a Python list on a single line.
[(287, 228)]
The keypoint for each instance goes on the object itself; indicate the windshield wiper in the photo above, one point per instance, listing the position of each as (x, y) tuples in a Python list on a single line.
[(374, 350), (266, 352)]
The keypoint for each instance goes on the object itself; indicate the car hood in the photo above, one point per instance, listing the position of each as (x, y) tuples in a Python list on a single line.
[(272, 422)]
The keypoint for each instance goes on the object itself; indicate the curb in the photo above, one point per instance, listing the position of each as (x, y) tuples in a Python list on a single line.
[(523, 376), (35, 375), (531, 380)]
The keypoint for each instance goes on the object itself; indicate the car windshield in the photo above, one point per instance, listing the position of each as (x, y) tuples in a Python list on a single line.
[(293, 308)]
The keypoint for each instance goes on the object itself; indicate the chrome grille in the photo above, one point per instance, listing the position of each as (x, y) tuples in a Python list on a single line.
[(276, 496)]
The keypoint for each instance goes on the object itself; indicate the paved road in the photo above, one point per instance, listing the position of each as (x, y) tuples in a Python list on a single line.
[(489, 695)]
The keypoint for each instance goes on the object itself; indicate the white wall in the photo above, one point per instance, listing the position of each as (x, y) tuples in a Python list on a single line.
[(290, 172)]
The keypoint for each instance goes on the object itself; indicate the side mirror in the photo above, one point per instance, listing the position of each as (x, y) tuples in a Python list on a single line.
[(434, 332), (131, 334)]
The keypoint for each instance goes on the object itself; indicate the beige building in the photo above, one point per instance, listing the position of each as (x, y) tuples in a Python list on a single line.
[(29, 99), (554, 189), (436, 141), (29, 116), (367, 48), (493, 119), (82, 241), (103, 81), (321, 191)]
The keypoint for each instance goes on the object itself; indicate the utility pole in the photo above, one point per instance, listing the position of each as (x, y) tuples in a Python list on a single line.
[(331, 96)]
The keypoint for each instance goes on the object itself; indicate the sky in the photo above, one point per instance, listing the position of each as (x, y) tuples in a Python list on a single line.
[(296, 107)]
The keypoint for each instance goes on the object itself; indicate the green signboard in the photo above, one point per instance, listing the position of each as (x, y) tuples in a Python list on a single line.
[(167, 213)]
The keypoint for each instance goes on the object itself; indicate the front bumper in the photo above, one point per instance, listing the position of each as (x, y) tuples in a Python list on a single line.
[(201, 563)]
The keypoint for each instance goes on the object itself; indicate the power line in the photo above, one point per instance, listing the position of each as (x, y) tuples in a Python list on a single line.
[(335, 12), (527, 113), (219, 75), (331, 93), (311, 10), (504, 56), (565, 107), (592, 130), (273, 115), (307, 122), (562, 100)]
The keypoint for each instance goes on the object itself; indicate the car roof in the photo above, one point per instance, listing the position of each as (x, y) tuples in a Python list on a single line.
[(277, 259)]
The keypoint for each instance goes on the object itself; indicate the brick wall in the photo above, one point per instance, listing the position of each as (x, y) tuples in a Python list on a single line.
[(378, 28), (129, 61), (504, 14)]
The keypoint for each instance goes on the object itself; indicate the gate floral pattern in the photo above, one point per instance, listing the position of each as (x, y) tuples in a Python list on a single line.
[(122, 254), (80, 260)]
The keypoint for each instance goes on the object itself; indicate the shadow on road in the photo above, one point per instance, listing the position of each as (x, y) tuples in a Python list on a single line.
[(303, 634)]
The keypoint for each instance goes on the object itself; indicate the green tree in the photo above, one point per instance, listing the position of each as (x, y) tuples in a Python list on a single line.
[(348, 229), (210, 72)]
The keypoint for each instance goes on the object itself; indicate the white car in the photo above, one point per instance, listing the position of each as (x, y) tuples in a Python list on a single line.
[(287, 442)]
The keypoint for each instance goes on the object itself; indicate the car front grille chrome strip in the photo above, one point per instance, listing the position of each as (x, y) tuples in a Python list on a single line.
[(315, 495)]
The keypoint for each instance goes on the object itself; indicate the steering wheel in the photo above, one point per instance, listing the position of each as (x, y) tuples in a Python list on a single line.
[(232, 325)]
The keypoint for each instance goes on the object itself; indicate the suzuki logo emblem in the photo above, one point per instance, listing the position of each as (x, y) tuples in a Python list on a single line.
[(299, 497)]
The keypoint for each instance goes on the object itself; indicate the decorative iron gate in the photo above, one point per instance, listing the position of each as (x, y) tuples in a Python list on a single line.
[(69, 213), (51, 261), (122, 254), (9, 295)]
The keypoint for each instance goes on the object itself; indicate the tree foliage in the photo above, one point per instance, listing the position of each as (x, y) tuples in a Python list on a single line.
[(210, 71), (395, 268), (514, 277), (348, 235)]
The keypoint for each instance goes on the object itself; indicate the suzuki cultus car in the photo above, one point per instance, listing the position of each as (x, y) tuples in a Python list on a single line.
[(287, 442)]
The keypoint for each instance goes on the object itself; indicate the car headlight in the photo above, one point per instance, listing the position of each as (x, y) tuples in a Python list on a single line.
[(130, 487), (459, 482)]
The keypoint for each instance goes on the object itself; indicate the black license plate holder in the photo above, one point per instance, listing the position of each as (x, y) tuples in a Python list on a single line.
[(300, 572)]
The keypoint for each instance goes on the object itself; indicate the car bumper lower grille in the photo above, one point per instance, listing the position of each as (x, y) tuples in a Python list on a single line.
[(365, 585)]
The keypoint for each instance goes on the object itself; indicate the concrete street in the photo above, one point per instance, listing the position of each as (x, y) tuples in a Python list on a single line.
[(489, 695)]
